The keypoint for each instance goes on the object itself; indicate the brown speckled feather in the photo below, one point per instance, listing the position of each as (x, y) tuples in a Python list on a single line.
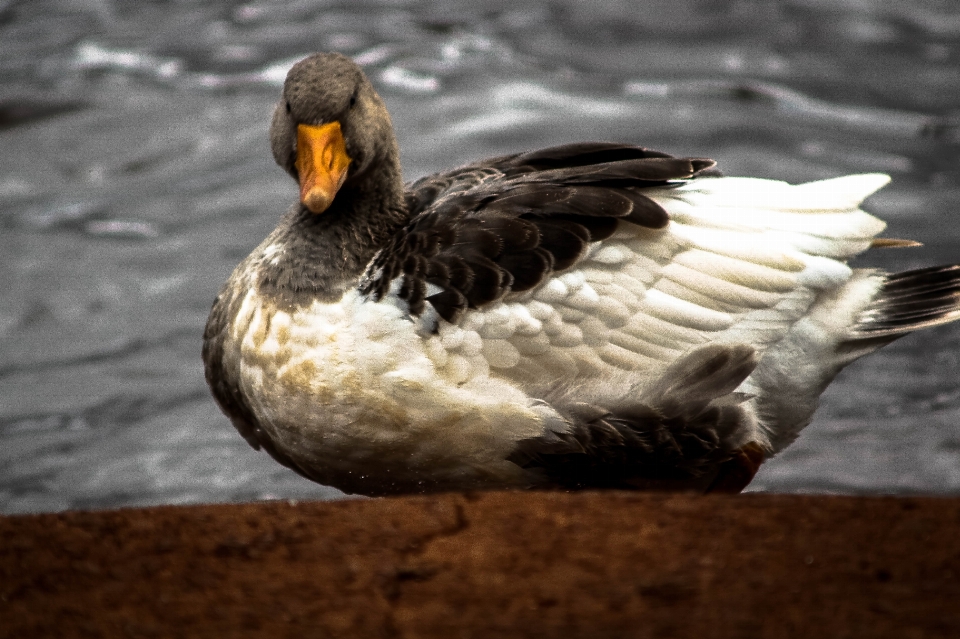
[(222, 376)]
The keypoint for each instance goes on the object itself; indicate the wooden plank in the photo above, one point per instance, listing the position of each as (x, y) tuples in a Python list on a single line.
[(491, 565)]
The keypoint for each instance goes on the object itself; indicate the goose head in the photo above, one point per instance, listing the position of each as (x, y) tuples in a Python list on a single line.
[(330, 130)]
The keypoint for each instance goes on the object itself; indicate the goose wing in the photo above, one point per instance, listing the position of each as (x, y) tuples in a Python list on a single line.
[(592, 259), (509, 224)]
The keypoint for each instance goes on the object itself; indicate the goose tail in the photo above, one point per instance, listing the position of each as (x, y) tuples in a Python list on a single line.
[(909, 301)]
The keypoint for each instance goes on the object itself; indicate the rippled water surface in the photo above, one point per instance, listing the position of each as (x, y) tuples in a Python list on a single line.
[(135, 173)]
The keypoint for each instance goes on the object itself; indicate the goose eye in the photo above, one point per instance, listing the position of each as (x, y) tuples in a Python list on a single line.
[(353, 100), (288, 107)]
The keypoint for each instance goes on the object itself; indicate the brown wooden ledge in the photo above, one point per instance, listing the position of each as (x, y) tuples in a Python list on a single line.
[(491, 565)]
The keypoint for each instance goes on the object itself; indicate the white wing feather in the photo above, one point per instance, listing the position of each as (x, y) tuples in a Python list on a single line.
[(743, 260)]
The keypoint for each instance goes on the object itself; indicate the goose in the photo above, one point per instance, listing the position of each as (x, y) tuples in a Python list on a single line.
[(591, 315)]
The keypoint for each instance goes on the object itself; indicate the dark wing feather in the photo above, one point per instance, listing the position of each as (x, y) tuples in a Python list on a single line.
[(427, 191), (680, 432), (625, 172), (579, 154), (484, 230)]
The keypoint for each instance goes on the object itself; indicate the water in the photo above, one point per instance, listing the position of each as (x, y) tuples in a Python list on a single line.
[(135, 173)]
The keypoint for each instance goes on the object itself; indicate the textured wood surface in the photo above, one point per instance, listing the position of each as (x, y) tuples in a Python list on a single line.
[(491, 565)]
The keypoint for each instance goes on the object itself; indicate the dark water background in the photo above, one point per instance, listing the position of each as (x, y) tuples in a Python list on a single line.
[(135, 173)]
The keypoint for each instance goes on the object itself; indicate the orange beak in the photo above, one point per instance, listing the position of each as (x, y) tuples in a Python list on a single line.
[(321, 163)]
